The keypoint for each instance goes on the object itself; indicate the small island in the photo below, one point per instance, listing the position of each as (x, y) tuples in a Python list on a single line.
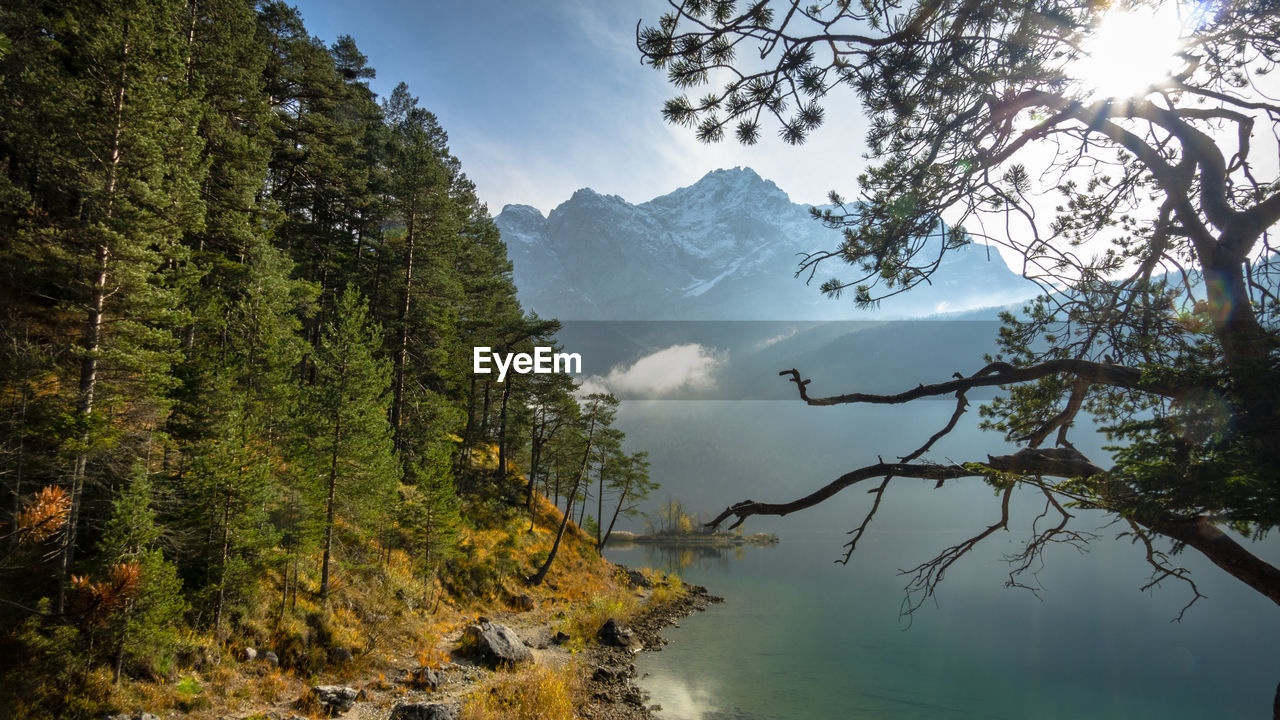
[(711, 539), (674, 525)]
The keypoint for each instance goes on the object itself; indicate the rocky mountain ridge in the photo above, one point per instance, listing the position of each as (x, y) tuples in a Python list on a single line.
[(724, 248)]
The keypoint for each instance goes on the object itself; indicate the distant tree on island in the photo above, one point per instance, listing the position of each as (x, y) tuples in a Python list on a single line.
[(1160, 305)]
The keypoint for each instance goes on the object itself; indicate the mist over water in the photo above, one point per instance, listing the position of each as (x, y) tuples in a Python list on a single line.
[(803, 637)]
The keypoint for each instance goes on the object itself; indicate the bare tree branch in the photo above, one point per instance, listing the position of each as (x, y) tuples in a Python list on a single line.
[(1002, 373)]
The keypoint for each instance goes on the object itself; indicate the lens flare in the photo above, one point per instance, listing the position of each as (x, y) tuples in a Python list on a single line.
[(1130, 50)]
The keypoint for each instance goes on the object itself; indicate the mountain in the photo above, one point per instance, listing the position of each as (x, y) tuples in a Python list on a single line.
[(724, 248)]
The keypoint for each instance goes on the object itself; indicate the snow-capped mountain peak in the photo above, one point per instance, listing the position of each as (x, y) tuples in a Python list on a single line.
[(725, 247)]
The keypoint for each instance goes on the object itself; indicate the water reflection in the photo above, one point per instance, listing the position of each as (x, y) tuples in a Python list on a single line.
[(799, 638), (681, 699), (677, 557)]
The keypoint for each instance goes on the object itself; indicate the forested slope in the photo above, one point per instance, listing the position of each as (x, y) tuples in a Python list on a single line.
[(239, 295)]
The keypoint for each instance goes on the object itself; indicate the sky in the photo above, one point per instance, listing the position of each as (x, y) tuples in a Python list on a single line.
[(543, 97)]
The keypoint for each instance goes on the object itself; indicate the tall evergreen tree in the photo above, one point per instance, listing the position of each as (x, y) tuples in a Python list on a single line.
[(348, 443), (104, 175)]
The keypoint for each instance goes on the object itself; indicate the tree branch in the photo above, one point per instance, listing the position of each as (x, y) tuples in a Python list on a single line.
[(1001, 373)]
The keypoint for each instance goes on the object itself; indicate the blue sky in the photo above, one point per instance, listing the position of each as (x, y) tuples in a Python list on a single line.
[(542, 97)]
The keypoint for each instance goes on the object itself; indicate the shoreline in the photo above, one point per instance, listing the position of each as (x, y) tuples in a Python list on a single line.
[(712, 540), (609, 671), (614, 694)]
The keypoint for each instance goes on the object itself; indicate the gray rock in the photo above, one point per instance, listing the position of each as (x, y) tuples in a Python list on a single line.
[(250, 654), (560, 638), (425, 677), (335, 699), (613, 633), (340, 656), (497, 644), (132, 716), (635, 578), (424, 711), (270, 658)]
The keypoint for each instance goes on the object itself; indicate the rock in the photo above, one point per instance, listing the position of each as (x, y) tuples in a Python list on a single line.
[(522, 603), (424, 711), (635, 578), (132, 716), (335, 699), (560, 638), (425, 677), (497, 644), (270, 658), (613, 633), (606, 673), (340, 656), (249, 654)]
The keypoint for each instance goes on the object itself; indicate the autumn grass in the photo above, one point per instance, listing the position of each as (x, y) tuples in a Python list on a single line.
[(667, 588), (531, 692), (384, 611)]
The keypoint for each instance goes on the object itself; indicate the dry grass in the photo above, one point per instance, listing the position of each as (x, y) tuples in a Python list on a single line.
[(667, 588), (531, 692), (382, 610)]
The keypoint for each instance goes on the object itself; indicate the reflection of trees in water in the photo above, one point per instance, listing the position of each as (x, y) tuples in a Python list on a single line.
[(678, 558)]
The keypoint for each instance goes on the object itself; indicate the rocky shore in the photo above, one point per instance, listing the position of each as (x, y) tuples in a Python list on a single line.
[(505, 640), (614, 693)]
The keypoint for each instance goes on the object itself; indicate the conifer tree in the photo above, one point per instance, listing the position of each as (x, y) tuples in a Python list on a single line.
[(596, 418), (103, 180), (143, 605), (631, 485), (349, 452), (429, 515)]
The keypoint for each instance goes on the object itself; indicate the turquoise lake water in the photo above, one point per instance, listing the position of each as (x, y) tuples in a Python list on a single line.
[(800, 637)]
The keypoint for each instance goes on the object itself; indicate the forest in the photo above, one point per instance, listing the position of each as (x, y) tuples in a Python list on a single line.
[(240, 293)]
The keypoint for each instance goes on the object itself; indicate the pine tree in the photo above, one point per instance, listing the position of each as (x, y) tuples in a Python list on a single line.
[(429, 517), (597, 417), (350, 456), (632, 486), (143, 604), (104, 180)]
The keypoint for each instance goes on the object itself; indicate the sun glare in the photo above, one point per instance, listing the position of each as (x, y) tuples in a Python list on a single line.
[(1130, 50)]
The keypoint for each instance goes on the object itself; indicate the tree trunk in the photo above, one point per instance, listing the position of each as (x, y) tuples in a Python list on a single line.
[(541, 575), (535, 451), (328, 524), (92, 342), (222, 564), (402, 352), (464, 456), (622, 498), (1201, 534), (84, 409), (502, 430), (600, 508), (1245, 350), (14, 538)]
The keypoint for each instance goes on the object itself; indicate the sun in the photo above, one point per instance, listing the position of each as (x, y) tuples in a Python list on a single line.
[(1130, 50)]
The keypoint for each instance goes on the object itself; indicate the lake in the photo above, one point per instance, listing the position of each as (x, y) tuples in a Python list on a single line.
[(803, 637), (800, 637)]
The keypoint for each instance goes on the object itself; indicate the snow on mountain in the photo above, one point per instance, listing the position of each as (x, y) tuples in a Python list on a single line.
[(724, 248)]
